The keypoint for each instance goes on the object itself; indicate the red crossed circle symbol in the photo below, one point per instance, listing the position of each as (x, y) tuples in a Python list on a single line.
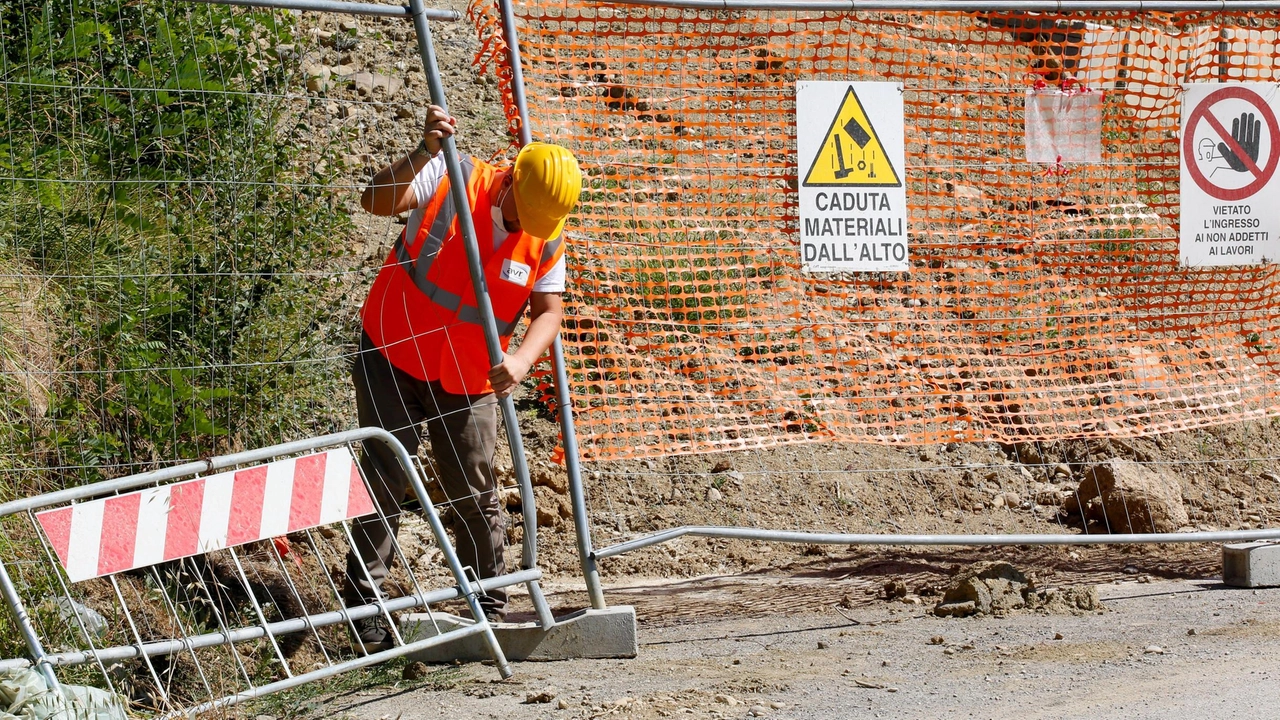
[(1261, 176)]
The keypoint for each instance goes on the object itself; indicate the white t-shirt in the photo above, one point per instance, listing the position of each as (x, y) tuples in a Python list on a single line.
[(424, 187)]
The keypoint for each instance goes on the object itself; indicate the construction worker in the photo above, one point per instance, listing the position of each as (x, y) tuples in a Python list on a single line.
[(422, 354)]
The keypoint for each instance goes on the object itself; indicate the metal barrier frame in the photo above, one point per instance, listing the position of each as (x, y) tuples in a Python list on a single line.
[(564, 401), (588, 554), (466, 227), (465, 589)]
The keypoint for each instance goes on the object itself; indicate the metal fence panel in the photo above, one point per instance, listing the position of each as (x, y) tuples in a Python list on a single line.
[(116, 599)]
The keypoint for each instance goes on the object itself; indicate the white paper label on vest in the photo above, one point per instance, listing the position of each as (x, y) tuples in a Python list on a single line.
[(514, 272)]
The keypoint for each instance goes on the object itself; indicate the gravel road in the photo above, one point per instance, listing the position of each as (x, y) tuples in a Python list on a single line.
[(1161, 649)]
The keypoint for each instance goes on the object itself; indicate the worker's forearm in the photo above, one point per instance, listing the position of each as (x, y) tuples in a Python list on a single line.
[(387, 193), (542, 332)]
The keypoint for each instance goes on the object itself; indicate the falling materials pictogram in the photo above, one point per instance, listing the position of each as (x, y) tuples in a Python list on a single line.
[(851, 154)]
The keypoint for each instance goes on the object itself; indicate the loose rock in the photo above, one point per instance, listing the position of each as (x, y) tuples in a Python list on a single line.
[(988, 587), (547, 476), (537, 698), (895, 589), (363, 82), (1078, 600), (509, 496), (1135, 498), (319, 77), (553, 507)]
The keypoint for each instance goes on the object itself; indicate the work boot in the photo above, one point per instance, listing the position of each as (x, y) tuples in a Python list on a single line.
[(374, 634), (495, 611)]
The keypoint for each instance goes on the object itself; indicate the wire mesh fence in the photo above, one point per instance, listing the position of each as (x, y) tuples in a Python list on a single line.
[(1043, 352), (182, 263), (172, 238)]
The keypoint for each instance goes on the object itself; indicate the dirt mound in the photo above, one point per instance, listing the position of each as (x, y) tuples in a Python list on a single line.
[(987, 588), (997, 588)]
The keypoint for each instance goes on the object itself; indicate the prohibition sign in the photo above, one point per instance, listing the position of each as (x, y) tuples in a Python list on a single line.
[(1261, 176)]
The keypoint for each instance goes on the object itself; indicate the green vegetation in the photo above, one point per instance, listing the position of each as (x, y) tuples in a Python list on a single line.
[(156, 203)]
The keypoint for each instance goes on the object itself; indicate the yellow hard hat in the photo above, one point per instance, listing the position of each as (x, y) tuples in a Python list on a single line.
[(547, 185)]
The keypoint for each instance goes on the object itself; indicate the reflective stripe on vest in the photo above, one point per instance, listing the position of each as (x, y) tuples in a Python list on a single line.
[(549, 250), (435, 238)]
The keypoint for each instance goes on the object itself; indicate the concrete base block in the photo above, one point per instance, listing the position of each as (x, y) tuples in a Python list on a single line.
[(608, 633), (1251, 565)]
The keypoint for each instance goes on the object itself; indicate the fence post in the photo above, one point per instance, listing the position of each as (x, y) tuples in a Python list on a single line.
[(458, 186), (23, 622), (581, 521)]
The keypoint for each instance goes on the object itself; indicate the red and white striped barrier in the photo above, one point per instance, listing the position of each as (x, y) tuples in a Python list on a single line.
[(165, 523)]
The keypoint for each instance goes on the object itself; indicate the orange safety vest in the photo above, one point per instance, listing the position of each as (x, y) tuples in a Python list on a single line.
[(421, 312)]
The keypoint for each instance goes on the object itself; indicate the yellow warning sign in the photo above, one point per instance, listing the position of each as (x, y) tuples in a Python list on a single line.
[(851, 153)]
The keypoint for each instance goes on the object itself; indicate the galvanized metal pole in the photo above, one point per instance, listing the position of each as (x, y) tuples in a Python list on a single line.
[(581, 521), (339, 6), (517, 70), (815, 538), (23, 622), (577, 493), (458, 186)]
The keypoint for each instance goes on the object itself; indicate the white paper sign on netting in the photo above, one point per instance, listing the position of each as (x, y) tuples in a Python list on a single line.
[(1063, 126)]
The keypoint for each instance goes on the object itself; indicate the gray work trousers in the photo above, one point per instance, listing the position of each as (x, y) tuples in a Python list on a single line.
[(463, 431)]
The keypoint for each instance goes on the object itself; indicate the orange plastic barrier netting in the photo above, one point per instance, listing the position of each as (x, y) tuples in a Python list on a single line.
[(1043, 301)]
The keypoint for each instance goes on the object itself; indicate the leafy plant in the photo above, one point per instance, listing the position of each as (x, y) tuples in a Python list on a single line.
[(158, 192)]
